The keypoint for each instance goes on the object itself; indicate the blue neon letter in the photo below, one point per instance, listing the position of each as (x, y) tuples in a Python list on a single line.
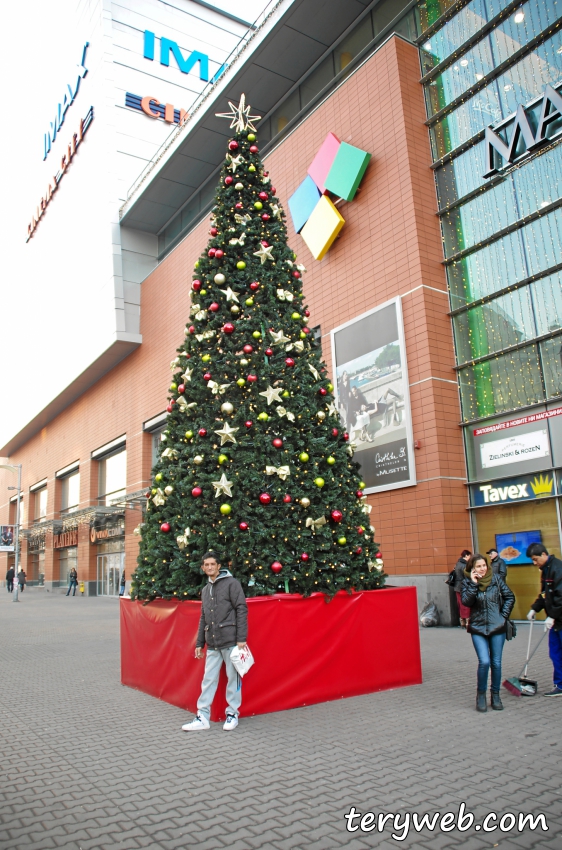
[(148, 45), (185, 65)]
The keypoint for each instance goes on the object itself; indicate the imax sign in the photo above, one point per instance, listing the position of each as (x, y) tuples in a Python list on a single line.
[(186, 64), (524, 139), (67, 99)]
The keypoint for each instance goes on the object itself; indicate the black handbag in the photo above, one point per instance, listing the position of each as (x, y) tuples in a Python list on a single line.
[(510, 630), (450, 580)]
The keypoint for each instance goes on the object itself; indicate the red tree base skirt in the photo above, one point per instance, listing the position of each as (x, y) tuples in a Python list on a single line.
[(306, 651)]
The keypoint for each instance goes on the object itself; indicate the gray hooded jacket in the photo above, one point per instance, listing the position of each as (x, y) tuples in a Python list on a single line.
[(224, 613)]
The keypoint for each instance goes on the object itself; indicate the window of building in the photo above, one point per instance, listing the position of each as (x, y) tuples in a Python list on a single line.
[(40, 504), (112, 478), (70, 493)]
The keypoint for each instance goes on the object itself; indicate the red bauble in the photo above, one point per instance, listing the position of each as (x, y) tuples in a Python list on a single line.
[(213, 231), (165, 527), (360, 529), (296, 274), (253, 148), (233, 145), (243, 526), (207, 376), (169, 408), (269, 352), (336, 515), (196, 285), (306, 330), (196, 492), (378, 554), (277, 443), (265, 498), (228, 180), (305, 557), (307, 313), (213, 307), (148, 494), (345, 436), (252, 378), (273, 190), (335, 432), (211, 252), (192, 329), (323, 391), (228, 328), (219, 254), (359, 494), (255, 285), (248, 423), (265, 243), (263, 196), (181, 388), (287, 498), (289, 361), (265, 217), (276, 567), (238, 206), (202, 432), (358, 550), (248, 348)]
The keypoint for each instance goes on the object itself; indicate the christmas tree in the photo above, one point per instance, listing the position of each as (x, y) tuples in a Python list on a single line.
[(254, 462)]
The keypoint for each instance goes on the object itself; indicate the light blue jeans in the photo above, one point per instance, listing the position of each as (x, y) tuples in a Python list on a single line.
[(489, 651), (213, 664)]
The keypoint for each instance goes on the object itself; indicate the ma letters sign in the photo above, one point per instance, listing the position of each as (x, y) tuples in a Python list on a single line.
[(67, 100), (523, 139), (185, 63)]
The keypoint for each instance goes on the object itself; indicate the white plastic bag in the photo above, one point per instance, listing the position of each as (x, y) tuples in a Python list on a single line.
[(429, 615), (242, 659)]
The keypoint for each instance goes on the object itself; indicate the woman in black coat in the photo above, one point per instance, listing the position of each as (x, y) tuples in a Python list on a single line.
[(490, 601)]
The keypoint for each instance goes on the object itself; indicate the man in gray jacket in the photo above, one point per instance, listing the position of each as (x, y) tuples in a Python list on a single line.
[(222, 626)]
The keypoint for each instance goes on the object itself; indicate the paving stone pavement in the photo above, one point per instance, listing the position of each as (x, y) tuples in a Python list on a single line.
[(88, 764)]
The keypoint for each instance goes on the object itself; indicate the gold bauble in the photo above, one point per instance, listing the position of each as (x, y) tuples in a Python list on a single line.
[(305, 502)]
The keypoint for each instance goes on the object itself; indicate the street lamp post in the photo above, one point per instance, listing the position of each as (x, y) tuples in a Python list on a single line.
[(16, 468)]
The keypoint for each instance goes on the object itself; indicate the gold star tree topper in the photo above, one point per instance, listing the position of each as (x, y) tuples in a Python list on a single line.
[(240, 115)]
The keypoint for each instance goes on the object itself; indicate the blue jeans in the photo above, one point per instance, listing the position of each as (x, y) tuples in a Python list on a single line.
[(213, 664), (555, 652), (489, 651), (73, 584)]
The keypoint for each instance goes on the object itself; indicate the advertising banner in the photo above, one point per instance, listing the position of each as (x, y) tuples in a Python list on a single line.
[(515, 448), (6, 538), (508, 490), (373, 397), (519, 446)]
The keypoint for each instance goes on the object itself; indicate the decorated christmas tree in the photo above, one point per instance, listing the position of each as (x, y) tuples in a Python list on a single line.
[(254, 462)]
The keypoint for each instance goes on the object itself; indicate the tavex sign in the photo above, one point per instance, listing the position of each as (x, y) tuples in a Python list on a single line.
[(524, 139)]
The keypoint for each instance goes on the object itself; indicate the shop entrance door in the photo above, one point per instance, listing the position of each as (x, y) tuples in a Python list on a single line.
[(110, 568)]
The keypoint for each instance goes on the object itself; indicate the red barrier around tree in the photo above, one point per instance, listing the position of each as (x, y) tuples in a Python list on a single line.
[(306, 650)]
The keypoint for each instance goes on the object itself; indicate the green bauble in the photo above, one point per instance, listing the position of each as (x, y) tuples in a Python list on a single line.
[(303, 457), (225, 509), (319, 482)]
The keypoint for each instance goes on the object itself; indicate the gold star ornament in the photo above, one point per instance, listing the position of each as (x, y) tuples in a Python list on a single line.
[(264, 253), (272, 394), (226, 434), (222, 486), (240, 115)]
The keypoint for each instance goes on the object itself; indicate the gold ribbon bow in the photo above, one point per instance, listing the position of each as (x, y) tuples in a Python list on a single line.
[(194, 309), (239, 241), (282, 412), (183, 404), (282, 471), (314, 371), (351, 448), (217, 389), (183, 539), (284, 295), (206, 335), (298, 345), (171, 453), (202, 314), (315, 524), (159, 498)]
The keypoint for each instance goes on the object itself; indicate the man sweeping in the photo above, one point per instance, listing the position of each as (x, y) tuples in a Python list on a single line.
[(549, 600), (222, 626)]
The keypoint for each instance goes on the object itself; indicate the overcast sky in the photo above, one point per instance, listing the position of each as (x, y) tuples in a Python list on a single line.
[(40, 49)]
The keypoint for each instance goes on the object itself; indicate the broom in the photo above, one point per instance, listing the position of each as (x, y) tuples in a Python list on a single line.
[(515, 685)]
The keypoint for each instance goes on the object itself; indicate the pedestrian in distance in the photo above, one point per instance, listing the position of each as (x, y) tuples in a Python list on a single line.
[(122, 584), (460, 567), (10, 579), (22, 579), (498, 565), (222, 626), (549, 600), (490, 601), (72, 582)]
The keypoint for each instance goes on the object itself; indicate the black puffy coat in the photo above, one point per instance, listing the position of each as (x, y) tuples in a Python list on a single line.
[(490, 608), (224, 613), (550, 597)]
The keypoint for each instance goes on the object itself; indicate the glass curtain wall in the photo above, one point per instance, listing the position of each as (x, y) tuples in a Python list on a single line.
[(502, 237)]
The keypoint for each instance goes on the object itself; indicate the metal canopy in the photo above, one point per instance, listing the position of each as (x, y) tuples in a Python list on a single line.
[(302, 35)]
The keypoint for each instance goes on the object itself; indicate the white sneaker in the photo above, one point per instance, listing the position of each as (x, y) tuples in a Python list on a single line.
[(200, 722), (231, 722)]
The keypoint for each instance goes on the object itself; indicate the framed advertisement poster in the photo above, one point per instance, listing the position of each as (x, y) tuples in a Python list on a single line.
[(372, 395), (6, 538)]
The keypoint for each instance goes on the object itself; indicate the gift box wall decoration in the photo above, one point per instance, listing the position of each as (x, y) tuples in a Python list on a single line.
[(337, 170)]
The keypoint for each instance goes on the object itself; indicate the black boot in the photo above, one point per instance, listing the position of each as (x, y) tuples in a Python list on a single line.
[(481, 701), (496, 701)]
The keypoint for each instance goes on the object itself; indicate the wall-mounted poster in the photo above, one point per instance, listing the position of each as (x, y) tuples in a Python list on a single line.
[(6, 538), (373, 397), (512, 547)]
